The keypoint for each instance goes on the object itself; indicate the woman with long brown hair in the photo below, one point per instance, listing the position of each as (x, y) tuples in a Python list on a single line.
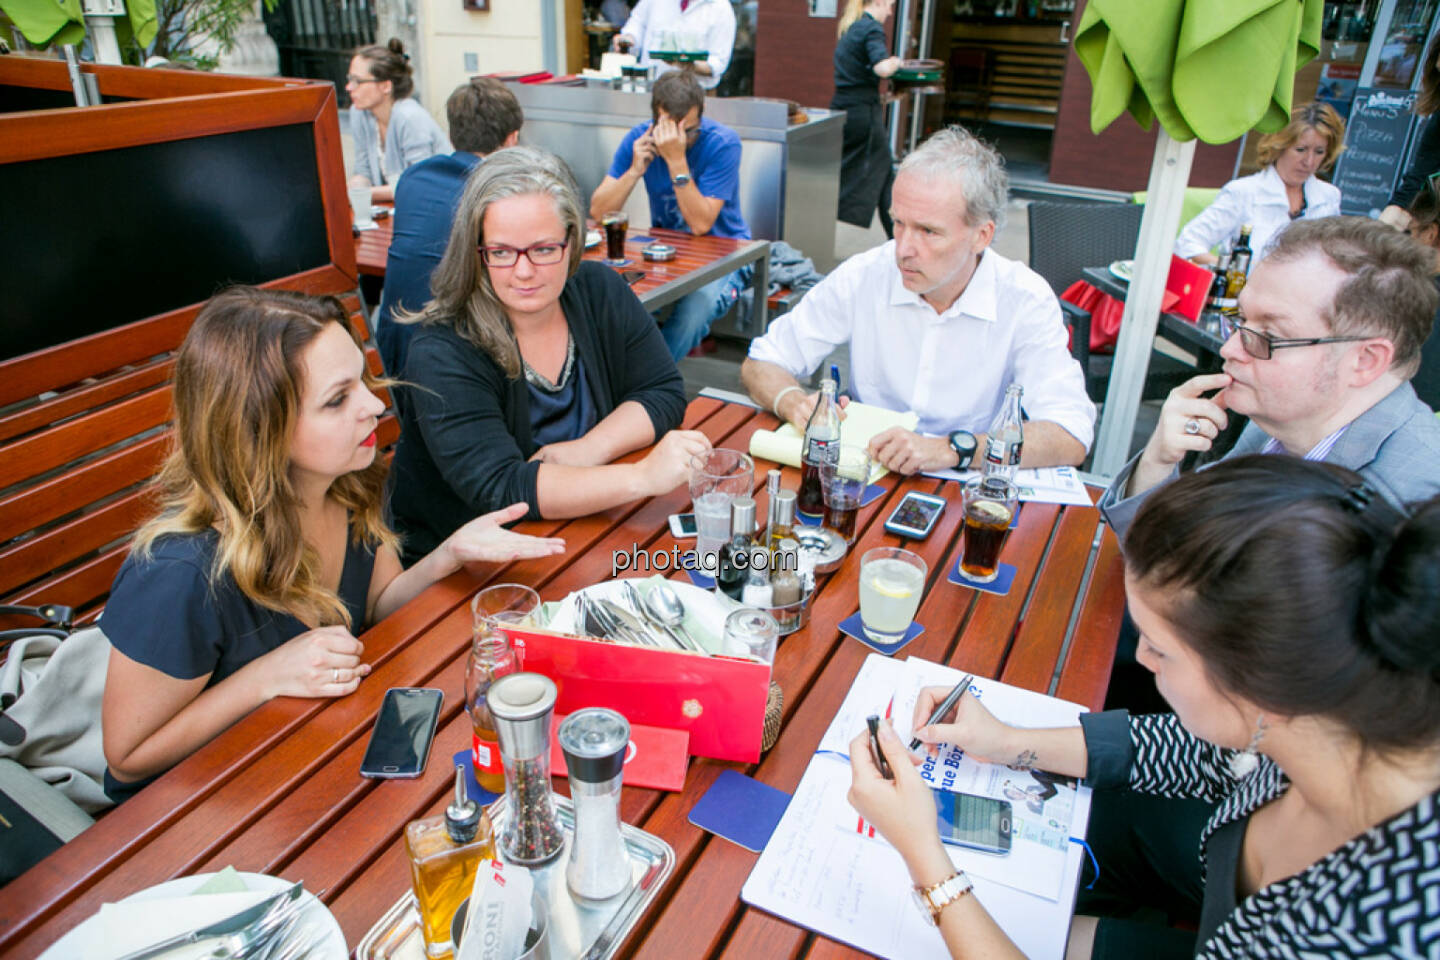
[(269, 551)]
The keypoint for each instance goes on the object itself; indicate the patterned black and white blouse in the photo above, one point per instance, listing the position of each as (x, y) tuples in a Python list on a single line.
[(1376, 896)]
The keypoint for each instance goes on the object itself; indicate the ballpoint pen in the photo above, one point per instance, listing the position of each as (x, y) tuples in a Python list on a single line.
[(946, 705), (873, 722)]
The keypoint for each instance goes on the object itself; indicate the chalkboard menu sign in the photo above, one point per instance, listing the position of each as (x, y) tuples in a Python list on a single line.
[(1376, 138)]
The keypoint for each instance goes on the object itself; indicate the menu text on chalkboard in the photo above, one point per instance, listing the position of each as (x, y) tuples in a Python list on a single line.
[(1376, 137)]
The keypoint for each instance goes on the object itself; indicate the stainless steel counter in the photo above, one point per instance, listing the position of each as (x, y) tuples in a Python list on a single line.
[(789, 175)]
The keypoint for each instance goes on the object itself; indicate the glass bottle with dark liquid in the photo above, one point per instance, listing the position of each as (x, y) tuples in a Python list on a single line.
[(821, 445), (735, 555)]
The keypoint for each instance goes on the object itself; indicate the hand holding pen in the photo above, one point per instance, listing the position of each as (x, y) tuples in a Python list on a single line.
[(946, 715)]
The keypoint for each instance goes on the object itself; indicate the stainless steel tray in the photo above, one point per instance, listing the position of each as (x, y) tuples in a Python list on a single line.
[(578, 931)]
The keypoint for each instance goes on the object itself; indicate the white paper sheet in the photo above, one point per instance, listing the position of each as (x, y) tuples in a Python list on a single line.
[(1037, 484), (825, 870)]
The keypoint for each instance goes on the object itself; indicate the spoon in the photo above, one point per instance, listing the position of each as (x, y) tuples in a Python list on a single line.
[(665, 604)]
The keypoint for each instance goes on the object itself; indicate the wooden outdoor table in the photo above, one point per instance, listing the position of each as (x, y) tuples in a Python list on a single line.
[(280, 792), (698, 261)]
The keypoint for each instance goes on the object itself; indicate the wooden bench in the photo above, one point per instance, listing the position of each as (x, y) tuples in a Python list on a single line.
[(83, 428)]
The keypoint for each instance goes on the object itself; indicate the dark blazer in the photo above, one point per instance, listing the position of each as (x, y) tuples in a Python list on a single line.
[(465, 442)]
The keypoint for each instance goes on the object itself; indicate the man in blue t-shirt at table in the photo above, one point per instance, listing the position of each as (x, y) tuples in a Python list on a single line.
[(695, 187), (484, 117)]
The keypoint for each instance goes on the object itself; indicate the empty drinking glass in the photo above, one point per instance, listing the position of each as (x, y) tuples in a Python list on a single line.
[(717, 477)]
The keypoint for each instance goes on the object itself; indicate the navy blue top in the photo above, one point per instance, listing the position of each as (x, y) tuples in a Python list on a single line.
[(566, 413), (425, 201), (166, 612), (862, 46), (714, 161)]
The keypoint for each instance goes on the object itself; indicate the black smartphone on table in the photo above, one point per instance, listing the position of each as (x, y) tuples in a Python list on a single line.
[(632, 277), (967, 820), (916, 515), (400, 740)]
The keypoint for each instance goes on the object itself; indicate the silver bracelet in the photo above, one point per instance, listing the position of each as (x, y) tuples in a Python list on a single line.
[(775, 404)]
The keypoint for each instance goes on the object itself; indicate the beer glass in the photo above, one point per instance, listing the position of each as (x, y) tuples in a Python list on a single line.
[(843, 484), (989, 508), (616, 223)]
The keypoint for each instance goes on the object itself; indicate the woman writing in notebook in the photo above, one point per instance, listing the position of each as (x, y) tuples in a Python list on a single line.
[(1289, 616)]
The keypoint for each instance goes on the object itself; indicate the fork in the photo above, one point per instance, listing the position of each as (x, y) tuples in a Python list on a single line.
[(306, 939), (249, 941)]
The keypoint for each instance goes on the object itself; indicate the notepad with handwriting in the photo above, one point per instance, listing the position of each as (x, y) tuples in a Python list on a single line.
[(827, 870)]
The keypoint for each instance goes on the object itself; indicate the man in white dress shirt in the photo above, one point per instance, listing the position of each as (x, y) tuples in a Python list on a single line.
[(710, 23), (937, 323)]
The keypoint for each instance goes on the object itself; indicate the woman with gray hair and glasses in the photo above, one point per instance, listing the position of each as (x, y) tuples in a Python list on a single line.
[(531, 371)]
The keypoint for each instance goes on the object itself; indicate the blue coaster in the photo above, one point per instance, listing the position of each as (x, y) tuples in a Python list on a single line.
[(852, 627), (477, 793), (740, 809), (1005, 576), (627, 262), (872, 493), (639, 239), (697, 576)]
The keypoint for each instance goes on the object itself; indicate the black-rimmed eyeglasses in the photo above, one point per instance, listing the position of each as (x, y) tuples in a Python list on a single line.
[(1262, 345), (539, 254)]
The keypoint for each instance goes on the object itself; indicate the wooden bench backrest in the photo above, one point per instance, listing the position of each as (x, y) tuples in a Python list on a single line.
[(77, 452)]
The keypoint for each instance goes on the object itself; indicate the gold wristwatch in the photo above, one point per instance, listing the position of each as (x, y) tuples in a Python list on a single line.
[(936, 897)]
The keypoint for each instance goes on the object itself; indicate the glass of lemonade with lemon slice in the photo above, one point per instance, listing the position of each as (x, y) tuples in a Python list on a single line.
[(891, 581)]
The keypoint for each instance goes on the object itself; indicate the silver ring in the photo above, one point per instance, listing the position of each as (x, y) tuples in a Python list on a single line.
[(334, 674), (1192, 426)]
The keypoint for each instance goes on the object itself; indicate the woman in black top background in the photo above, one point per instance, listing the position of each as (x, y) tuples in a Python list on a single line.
[(866, 166), (531, 371), (1426, 158)]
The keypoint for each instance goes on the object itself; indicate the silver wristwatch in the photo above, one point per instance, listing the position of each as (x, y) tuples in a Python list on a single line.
[(680, 179), (936, 897)]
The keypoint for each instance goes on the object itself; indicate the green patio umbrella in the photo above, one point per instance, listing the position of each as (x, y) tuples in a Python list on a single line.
[(1213, 69), (47, 21), (1206, 69)]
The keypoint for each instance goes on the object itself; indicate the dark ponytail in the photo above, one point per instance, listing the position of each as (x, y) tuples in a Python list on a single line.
[(1303, 591), (390, 62)]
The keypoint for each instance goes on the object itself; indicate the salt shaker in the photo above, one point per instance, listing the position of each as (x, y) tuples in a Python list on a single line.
[(595, 741), (521, 704)]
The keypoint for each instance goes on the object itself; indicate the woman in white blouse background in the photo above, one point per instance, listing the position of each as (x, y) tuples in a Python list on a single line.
[(1286, 188)]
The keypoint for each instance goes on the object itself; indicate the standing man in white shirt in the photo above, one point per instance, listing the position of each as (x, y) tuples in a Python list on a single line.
[(712, 20), (937, 323)]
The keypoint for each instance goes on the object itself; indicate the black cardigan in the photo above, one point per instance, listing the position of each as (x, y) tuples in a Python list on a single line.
[(465, 437), (1423, 162)]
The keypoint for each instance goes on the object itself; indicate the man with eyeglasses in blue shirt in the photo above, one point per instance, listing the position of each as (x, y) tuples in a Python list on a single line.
[(1319, 357)]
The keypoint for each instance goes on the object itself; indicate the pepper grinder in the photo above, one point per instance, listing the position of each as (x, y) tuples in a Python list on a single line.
[(521, 704), (595, 741)]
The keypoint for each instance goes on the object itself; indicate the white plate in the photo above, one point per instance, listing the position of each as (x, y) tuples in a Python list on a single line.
[(1122, 269), (593, 238), (79, 942)]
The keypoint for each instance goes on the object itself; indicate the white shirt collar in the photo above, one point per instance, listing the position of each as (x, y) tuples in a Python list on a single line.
[(977, 300)]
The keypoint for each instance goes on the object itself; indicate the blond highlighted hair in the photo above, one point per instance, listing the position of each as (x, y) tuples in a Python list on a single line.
[(239, 380), (1320, 117)]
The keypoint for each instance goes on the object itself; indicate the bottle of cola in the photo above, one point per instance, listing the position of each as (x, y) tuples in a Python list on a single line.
[(1005, 439), (821, 446)]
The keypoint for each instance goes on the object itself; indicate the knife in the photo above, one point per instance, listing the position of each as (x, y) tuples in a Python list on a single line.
[(628, 624), (230, 924)]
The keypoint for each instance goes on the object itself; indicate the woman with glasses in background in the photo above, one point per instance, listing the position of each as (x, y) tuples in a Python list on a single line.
[(390, 129), (531, 371)]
